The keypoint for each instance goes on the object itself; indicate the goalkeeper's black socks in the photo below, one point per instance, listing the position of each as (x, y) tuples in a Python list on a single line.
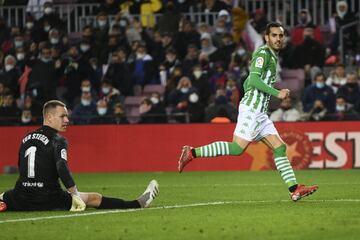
[(116, 203)]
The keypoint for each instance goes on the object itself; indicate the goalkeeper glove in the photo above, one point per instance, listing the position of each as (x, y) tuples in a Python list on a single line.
[(78, 204)]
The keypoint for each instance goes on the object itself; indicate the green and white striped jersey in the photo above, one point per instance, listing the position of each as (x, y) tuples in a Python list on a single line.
[(263, 65)]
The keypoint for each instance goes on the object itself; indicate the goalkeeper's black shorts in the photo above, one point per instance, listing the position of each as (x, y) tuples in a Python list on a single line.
[(28, 201)]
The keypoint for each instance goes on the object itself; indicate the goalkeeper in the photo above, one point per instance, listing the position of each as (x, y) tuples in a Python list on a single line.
[(43, 161)]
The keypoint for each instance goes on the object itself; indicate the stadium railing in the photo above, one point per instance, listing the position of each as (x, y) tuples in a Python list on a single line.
[(286, 10), (76, 15), (348, 61)]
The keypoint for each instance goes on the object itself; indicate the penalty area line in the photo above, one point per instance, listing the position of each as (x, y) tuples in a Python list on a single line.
[(74, 215)]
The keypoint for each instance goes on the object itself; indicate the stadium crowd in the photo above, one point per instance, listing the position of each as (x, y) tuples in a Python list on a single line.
[(198, 67)]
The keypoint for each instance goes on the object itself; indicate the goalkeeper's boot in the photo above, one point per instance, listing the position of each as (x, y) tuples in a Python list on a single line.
[(302, 191), (149, 195), (185, 157)]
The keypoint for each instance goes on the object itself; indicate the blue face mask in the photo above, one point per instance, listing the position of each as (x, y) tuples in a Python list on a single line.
[(320, 84)]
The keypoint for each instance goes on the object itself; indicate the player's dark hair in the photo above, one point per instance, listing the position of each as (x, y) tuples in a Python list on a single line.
[(52, 104), (272, 25)]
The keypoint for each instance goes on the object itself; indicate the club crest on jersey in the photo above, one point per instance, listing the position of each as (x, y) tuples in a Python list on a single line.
[(64, 154), (259, 62)]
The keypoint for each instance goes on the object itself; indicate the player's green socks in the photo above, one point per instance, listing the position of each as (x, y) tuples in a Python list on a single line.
[(219, 149), (283, 166)]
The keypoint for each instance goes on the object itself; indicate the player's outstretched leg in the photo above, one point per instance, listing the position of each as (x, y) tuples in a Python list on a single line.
[(297, 191), (149, 195), (212, 150)]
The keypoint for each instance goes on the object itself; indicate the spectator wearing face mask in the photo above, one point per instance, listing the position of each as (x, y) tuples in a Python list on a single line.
[(309, 55), (43, 79), (118, 73), (110, 94), (142, 68), (103, 114), (199, 80), (84, 111), (102, 28), (224, 51), (319, 91), (171, 60), (305, 21), (195, 109), (50, 19), (350, 35), (158, 107), (21, 59), (343, 111), (55, 39), (10, 75), (221, 107), (350, 90), (86, 86), (178, 98), (147, 113), (191, 59), (286, 112), (26, 118)]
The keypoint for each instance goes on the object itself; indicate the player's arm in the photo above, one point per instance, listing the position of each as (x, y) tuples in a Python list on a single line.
[(258, 66), (60, 151)]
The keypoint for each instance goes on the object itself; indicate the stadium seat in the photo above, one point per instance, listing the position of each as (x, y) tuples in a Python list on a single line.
[(153, 88), (293, 73), (133, 114), (133, 101)]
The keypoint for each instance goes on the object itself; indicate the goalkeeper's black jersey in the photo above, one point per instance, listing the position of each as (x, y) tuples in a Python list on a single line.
[(42, 161)]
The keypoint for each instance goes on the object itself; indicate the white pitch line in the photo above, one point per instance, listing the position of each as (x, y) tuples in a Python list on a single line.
[(167, 207)]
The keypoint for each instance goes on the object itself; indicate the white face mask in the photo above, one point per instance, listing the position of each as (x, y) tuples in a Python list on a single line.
[(25, 119), (140, 55), (20, 56), (154, 100), (47, 28), (84, 47), (197, 73), (105, 90), (85, 102), (241, 52), (48, 10), (18, 44), (340, 108), (184, 89), (193, 98), (220, 30), (54, 40), (86, 89), (101, 23), (29, 25), (101, 111), (170, 58), (9, 67)]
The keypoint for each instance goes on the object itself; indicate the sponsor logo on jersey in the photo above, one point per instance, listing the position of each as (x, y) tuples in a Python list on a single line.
[(259, 62), (64, 154)]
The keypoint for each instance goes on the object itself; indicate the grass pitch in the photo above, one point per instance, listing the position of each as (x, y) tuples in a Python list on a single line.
[(202, 205)]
